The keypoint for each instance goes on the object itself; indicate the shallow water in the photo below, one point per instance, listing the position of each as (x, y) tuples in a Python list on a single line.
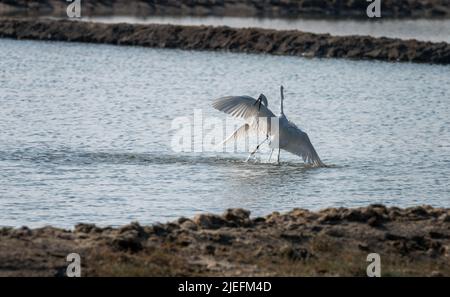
[(435, 30), (85, 133)]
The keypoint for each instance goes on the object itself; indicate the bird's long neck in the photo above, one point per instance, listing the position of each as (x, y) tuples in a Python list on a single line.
[(282, 99)]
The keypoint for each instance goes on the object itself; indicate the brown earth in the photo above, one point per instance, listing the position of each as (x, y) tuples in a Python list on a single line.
[(332, 242), (249, 40), (261, 8)]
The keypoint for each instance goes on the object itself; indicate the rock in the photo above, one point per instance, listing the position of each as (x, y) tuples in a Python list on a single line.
[(335, 232), (380, 210), (436, 273), (181, 220), (379, 206), (237, 217), (355, 215), (5, 231), (374, 221), (172, 227), (130, 238), (134, 228), (188, 225), (391, 236), (394, 213), (294, 254), (373, 215), (85, 228), (420, 242), (316, 228), (418, 211), (330, 216), (294, 236), (210, 249), (445, 217), (437, 235), (209, 221), (159, 230), (300, 213), (363, 247), (128, 242), (220, 238), (183, 240), (273, 217), (21, 232), (259, 220), (236, 214)]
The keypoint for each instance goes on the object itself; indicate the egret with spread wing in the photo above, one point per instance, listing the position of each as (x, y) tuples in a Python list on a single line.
[(287, 137)]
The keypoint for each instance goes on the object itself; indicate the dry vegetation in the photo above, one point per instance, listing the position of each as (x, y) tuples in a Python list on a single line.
[(332, 242)]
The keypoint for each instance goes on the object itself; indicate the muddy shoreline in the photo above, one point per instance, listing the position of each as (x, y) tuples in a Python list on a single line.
[(246, 40), (243, 8), (332, 242)]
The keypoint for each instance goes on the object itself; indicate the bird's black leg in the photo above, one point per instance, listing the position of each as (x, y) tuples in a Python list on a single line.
[(256, 149)]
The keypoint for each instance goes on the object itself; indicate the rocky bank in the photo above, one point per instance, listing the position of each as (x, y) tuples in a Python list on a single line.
[(258, 8), (247, 40), (332, 242)]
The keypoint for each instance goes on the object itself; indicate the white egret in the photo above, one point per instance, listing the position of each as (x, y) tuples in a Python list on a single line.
[(287, 137)]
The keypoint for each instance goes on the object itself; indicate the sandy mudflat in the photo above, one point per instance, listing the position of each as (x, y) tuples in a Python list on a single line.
[(336, 241)]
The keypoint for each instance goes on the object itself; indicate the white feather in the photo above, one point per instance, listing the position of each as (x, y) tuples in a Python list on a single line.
[(290, 137), (242, 107), (299, 144)]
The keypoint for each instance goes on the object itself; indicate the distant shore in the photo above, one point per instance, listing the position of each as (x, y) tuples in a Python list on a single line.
[(332, 242), (244, 8), (246, 40)]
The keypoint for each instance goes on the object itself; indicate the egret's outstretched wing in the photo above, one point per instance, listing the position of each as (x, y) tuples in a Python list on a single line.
[(299, 144), (242, 107)]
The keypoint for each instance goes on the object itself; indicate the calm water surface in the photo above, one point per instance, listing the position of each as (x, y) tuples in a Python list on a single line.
[(85, 133), (436, 30)]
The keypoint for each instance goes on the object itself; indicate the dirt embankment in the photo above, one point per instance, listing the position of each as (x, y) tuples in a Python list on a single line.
[(261, 8), (251, 40), (413, 241)]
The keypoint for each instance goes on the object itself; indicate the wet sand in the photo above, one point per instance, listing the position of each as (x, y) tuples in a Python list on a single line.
[(246, 40), (332, 242)]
